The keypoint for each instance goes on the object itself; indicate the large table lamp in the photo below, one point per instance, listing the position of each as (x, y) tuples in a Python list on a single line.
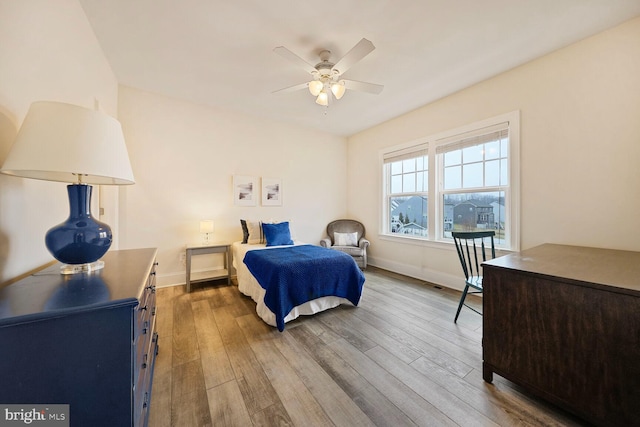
[(68, 143)]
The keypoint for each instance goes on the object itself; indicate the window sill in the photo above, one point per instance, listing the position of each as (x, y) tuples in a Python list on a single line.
[(436, 244)]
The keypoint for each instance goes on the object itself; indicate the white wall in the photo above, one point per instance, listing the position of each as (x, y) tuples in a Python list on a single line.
[(580, 149), (47, 52), (184, 157), (580, 136)]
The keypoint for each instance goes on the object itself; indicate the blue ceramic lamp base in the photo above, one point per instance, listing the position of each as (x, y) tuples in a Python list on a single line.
[(81, 240)]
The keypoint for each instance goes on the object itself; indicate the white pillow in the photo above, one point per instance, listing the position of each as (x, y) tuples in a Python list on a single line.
[(255, 232), (345, 239)]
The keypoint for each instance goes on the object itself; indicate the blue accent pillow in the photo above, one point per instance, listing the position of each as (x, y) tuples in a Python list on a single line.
[(277, 234)]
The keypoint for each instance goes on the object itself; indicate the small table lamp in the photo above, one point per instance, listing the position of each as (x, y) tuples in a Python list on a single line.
[(67, 143), (206, 228)]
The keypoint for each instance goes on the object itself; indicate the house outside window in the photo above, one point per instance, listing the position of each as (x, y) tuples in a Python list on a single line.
[(462, 180)]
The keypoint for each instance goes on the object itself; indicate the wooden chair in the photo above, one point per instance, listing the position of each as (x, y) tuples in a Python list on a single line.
[(472, 251)]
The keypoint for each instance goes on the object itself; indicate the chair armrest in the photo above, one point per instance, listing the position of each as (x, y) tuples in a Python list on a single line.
[(325, 243), (363, 244)]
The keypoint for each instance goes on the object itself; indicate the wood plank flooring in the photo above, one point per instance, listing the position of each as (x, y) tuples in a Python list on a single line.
[(395, 360)]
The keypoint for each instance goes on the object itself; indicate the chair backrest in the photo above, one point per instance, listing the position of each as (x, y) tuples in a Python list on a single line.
[(345, 226), (472, 250)]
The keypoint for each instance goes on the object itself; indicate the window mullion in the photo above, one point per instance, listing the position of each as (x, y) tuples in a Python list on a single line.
[(432, 193)]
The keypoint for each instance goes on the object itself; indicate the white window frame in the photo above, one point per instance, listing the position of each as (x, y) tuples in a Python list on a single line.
[(413, 151), (435, 188)]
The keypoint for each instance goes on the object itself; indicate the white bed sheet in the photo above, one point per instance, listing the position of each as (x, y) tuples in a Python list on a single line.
[(249, 286)]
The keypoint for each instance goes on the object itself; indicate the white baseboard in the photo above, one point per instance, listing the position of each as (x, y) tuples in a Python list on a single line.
[(179, 277), (436, 277), (428, 275)]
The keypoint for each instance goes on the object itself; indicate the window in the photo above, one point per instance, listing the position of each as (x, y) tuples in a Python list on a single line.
[(407, 188), (469, 175), (474, 181)]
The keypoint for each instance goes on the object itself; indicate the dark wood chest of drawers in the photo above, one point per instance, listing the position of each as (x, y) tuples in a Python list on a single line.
[(87, 340), (564, 322)]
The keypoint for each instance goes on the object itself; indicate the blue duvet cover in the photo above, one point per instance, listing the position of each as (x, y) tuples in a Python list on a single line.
[(294, 275)]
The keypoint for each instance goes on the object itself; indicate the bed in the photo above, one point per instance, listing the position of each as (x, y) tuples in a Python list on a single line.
[(292, 279)]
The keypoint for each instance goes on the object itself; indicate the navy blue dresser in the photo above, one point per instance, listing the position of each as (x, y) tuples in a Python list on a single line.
[(87, 340)]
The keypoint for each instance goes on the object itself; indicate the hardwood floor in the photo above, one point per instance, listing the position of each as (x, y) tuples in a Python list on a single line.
[(395, 360)]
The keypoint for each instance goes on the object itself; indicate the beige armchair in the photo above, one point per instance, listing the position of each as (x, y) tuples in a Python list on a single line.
[(347, 235)]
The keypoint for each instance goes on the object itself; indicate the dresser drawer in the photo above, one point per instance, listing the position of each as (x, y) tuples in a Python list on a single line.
[(142, 386), (144, 329), (145, 342), (145, 311)]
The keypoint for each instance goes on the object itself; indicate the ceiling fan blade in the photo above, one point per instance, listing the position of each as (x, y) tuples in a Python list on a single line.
[(287, 54), (363, 87), (359, 51), (292, 88)]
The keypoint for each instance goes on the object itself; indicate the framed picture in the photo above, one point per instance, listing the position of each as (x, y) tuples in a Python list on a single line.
[(245, 190), (271, 192)]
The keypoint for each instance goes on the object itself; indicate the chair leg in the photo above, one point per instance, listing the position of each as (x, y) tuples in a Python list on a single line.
[(464, 295)]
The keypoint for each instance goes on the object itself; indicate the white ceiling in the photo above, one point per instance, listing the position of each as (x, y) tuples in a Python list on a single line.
[(220, 52)]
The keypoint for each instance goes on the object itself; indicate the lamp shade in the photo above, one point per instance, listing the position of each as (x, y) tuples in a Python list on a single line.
[(338, 89), (206, 226), (323, 99), (315, 87), (59, 142)]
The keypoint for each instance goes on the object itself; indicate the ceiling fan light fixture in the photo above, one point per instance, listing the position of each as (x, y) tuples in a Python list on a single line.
[(323, 99), (338, 89), (325, 75), (315, 87)]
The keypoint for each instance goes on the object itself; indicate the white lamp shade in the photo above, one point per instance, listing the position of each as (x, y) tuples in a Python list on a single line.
[(206, 226), (315, 87), (338, 89), (322, 99), (58, 142)]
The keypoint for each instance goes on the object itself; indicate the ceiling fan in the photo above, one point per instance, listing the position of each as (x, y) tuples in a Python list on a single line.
[(327, 75)]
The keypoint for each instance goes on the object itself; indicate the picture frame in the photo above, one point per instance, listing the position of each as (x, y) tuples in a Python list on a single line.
[(245, 190), (271, 192)]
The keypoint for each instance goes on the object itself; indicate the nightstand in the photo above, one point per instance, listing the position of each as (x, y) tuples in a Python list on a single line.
[(213, 248)]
